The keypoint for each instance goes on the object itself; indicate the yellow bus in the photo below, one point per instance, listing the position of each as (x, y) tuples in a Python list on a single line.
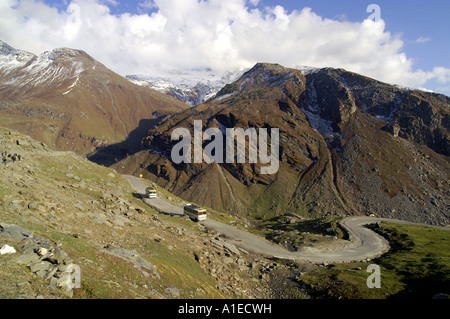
[(194, 212), (150, 192)]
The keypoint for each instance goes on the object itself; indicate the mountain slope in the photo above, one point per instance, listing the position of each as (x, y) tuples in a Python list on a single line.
[(124, 249), (348, 145), (70, 101)]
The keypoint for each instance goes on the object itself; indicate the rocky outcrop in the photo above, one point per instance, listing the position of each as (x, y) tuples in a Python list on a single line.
[(415, 115), (52, 264)]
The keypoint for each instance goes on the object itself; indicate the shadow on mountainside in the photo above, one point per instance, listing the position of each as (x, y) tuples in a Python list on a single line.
[(113, 153)]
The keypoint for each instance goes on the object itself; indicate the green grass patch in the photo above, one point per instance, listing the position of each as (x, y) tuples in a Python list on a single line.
[(418, 266), (298, 232)]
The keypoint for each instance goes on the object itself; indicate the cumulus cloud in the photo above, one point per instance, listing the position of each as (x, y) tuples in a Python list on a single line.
[(222, 35)]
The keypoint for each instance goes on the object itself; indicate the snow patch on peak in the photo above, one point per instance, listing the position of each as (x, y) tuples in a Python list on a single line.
[(64, 53), (49, 68), (7, 52), (12, 59), (6, 49), (72, 86), (44, 70), (307, 69)]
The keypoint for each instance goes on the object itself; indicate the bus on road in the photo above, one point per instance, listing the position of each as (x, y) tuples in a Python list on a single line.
[(150, 192), (194, 212)]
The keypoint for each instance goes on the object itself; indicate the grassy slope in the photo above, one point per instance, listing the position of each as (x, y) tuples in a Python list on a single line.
[(52, 180)]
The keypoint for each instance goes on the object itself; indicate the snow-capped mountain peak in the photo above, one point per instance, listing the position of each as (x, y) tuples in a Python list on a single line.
[(194, 86), (49, 69), (12, 59)]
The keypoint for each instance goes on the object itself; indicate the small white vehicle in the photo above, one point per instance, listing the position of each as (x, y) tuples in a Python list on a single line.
[(195, 213)]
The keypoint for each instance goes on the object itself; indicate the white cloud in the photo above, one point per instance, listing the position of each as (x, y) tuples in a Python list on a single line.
[(223, 35), (147, 5), (441, 74), (422, 40)]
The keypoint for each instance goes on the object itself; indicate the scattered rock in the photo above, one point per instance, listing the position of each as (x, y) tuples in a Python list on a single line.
[(77, 205), (40, 265), (59, 256), (172, 291), (27, 259), (228, 260), (53, 265), (42, 251), (98, 218), (44, 262), (220, 243), (120, 220)]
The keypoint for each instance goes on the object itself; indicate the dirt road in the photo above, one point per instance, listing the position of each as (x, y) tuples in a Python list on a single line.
[(363, 244)]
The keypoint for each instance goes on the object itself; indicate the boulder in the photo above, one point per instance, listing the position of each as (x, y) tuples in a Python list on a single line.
[(6, 249), (27, 259), (59, 256), (42, 251), (172, 291), (16, 232), (41, 265), (220, 243)]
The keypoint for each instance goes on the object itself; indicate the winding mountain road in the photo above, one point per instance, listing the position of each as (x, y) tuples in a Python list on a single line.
[(363, 244)]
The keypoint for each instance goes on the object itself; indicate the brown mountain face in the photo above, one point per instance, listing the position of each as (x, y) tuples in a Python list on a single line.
[(70, 101), (348, 145)]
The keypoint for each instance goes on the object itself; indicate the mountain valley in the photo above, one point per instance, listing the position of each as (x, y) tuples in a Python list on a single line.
[(349, 145)]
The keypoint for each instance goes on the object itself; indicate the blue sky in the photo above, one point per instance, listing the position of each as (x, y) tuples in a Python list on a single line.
[(410, 46)]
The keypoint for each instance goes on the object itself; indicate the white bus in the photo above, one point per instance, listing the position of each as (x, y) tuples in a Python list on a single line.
[(150, 192), (194, 212)]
